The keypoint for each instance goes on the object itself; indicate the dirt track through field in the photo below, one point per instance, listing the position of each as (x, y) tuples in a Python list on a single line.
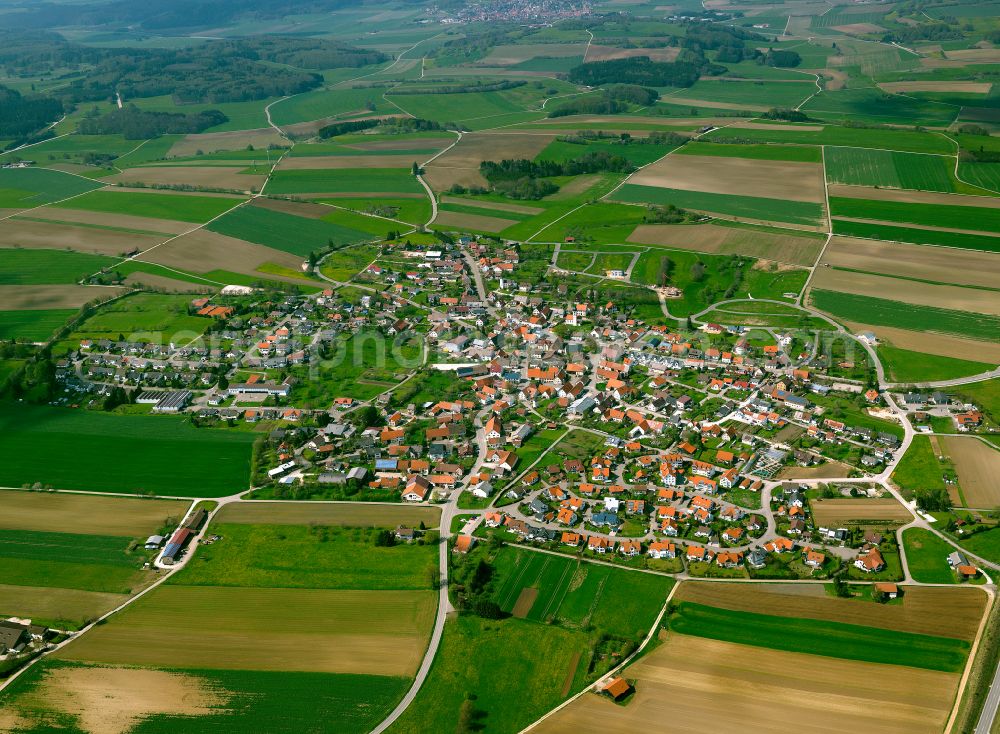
[(926, 610), (700, 685), (908, 291), (946, 265), (978, 467), (793, 181)]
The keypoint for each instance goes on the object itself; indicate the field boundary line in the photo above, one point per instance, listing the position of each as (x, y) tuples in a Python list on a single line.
[(59, 201), (627, 661), (970, 660)]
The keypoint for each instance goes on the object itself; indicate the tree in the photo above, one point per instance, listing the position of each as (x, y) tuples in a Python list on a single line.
[(385, 539), (698, 271), (840, 588)]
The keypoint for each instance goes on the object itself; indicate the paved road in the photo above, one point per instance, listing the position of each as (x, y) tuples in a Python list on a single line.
[(990, 706)]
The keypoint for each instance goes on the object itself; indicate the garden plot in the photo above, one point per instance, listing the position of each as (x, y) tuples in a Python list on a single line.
[(787, 180)]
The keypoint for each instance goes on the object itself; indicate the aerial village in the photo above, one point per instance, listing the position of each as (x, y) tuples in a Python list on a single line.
[(554, 421)]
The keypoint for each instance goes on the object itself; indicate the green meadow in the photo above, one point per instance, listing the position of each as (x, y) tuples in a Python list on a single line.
[(313, 556), (179, 207), (22, 188), (285, 232), (344, 180), (33, 267), (889, 168), (136, 454), (35, 326), (926, 556)]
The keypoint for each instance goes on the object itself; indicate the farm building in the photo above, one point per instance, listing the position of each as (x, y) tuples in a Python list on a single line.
[(174, 546)]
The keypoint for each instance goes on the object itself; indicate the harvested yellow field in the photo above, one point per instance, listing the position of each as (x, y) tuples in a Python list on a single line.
[(948, 265), (51, 604), (215, 142), (461, 220), (317, 630), (700, 685), (107, 700), (907, 291), (327, 162), (929, 86), (42, 297), (942, 345), (86, 514), (926, 610), (978, 467), (716, 239), (346, 514), (19, 232), (104, 219), (221, 177), (836, 512), (913, 197), (793, 181)]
